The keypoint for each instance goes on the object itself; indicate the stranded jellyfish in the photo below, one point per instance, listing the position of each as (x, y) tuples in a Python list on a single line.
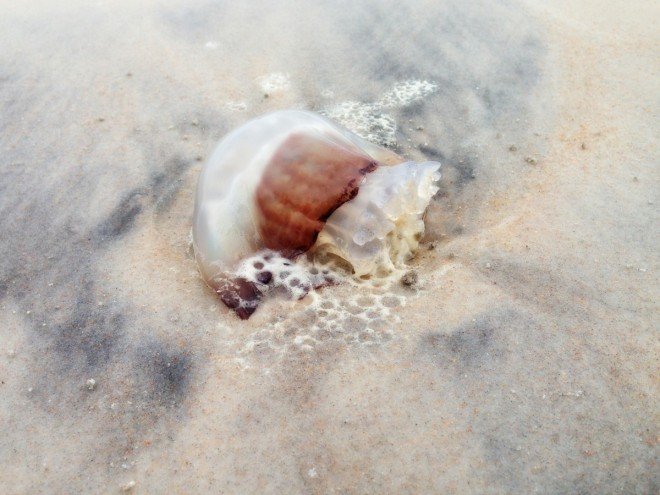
[(292, 183)]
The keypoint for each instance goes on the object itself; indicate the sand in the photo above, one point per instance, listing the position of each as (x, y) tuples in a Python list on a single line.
[(523, 359)]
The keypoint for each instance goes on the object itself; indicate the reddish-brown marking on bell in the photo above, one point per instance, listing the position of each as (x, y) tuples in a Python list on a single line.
[(307, 179), (240, 295)]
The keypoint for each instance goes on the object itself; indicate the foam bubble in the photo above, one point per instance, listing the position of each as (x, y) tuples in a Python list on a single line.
[(406, 92), (271, 271), (371, 120), (361, 319), (275, 82), (236, 106), (365, 120)]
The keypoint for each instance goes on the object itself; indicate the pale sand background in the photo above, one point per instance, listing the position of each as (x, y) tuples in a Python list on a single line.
[(527, 362)]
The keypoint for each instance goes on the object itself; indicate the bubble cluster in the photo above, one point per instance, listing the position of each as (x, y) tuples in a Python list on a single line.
[(362, 319), (406, 92), (372, 120), (271, 271), (275, 82), (366, 120)]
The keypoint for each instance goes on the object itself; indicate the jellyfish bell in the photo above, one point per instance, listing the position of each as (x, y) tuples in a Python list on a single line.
[(293, 182)]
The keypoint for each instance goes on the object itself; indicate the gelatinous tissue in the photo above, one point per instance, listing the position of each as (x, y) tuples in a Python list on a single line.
[(291, 200)]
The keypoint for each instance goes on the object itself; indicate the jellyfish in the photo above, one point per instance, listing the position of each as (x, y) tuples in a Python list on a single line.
[(293, 183)]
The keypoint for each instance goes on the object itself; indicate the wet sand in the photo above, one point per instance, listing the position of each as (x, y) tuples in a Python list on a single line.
[(525, 359)]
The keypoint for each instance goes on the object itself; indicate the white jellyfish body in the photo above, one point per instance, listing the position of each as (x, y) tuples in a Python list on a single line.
[(292, 182)]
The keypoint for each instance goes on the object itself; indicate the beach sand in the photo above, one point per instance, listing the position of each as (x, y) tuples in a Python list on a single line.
[(524, 359)]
